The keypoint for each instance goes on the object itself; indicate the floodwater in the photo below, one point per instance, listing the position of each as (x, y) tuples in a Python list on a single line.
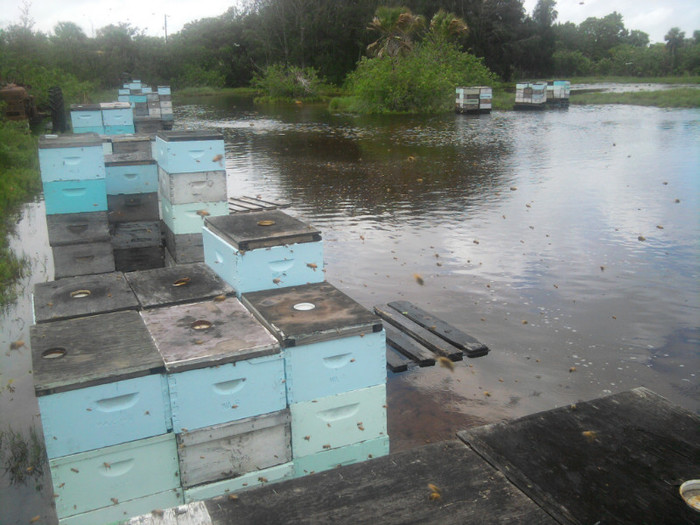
[(568, 241)]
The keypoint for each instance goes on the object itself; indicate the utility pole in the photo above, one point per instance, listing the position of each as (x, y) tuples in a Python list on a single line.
[(165, 27)]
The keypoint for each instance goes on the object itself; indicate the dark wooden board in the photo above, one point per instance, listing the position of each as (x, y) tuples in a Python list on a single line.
[(98, 349), (184, 283), (409, 347), (81, 296), (470, 346), (431, 341), (142, 258), (395, 361), (77, 228), (140, 234), (245, 232), (133, 207), (388, 490), (335, 314), (619, 459)]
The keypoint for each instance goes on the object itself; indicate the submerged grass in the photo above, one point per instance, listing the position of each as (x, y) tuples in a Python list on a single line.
[(667, 98), (19, 183), (22, 457)]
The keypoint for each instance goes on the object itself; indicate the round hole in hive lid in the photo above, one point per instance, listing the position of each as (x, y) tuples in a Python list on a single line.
[(304, 307), (266, 222), (80, 294), (690, 492), (201, 324), (54, 353), (182, 282)]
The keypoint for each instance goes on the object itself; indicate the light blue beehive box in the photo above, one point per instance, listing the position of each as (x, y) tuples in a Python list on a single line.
[(189, 217), (71, 157), (263, 250), (189, 151), (337, 457), (339, 420), (222, 364), (106, 477), (164, 90), (332, 344), (75, 196), (128, 173), (99, 381), (86, 118)]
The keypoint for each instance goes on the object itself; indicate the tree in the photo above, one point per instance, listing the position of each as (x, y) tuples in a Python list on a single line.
[(674, 41), (599, 35), (544, 13), (397, 27), (446, 27)]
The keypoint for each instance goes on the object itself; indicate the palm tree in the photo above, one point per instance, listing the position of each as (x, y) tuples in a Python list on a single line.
[(674, 40), (396, 27), (445, 27)]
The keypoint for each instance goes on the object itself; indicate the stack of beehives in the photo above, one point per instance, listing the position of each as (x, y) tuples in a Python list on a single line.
[(531, 95), (153, 110)]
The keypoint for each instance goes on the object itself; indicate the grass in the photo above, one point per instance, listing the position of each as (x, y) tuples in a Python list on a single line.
[(22, 457), (667, 98), (636, 80)]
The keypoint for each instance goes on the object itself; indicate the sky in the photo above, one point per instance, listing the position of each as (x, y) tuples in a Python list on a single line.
[(654, 17)]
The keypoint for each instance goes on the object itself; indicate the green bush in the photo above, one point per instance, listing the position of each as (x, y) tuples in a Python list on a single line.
[(423, 81), (281, 82), (195, 76), (39, 79)]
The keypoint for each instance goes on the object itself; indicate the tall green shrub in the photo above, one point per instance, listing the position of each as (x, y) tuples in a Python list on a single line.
[(423, 81), (279, 82)]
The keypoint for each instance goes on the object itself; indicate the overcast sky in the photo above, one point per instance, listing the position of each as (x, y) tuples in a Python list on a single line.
[(654, 17)]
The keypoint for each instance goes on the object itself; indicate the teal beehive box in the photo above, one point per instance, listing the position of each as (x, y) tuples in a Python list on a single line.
[(338, 457), (332, 344), (189, 217), (263, 250), (222, 364), (99, 381), (75, 196), (189, 151), (86, 118), (128, 173), (339, 420), (71, 157), (111, 476)]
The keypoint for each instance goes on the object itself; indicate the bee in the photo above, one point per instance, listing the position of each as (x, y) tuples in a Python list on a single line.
[(218, 159), (219, 298), (115, 501), (233, 497), (307, 438), (262, 479), (107, 465), (16, 345), (487, 393), (572, 369), (446, 363), (74, 470), (276, 280), (418, 279), (327, 446), (35, 519), (590, 435), (183, 281), (360, 425), (312, 266), (203, 213), (158, 513), (434, 493)]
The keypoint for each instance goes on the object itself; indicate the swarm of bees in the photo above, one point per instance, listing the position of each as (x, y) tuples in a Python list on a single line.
[(434, 493)]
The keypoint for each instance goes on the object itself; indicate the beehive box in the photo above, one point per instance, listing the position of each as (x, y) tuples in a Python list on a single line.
[(71, 157), (245, 482), (147, 124), (181, 284), (190, 217), (338, 457), (141, 258), (99, 381), (339, 420), (133, 207), (86, 118), (222, 364), (189, 151), (77, 228), (183, 248), (164, 90), (105, 477), (132, 144), (332, 344), (233, 449), (263, 250), (200, 186), (131, 173), (82, 259), (75, 196), (117, 114), (143, 234), (81, 296)]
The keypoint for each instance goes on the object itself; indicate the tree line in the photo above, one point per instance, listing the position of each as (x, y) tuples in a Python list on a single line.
[(331, 37)]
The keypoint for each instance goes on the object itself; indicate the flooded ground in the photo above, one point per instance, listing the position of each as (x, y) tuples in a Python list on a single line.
[(567, 241)]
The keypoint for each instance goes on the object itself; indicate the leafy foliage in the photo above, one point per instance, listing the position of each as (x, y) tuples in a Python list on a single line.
[(280, 82), (421, 82)]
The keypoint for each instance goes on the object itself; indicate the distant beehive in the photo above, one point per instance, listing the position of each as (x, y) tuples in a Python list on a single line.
[(558, 93), (473, 99), (530, 95)]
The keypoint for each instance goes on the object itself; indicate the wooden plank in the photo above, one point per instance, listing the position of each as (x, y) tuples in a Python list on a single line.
[(471, 347), (396, 361), (409, 347), (431, 341), (619, 459), (388, 490)]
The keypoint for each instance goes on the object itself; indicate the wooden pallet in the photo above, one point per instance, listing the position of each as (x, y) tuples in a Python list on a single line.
[(418, 338), (247, 204)]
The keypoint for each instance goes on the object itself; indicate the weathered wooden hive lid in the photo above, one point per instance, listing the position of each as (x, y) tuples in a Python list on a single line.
[(208, 333), (85, 107), (187, 135), (81, 296), (114, 105), (77, 140), (132, 158), (262, 229), (88, 351), (184, 283), (129, 137), (311, 313)]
